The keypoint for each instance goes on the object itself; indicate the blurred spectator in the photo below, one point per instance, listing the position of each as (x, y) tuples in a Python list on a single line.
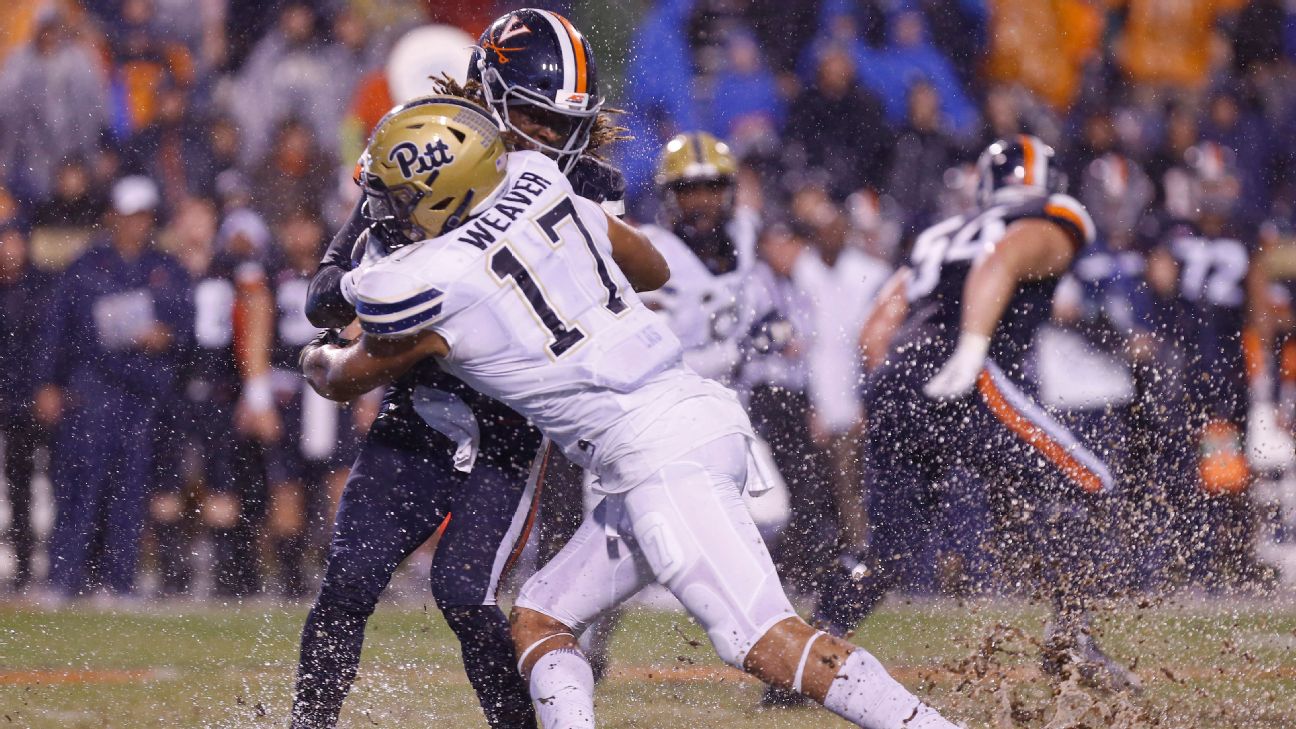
[(838, 126), (144, 65), (1230, 122), (1044, 46), (745, 104), (173, 149), (24, 292), (1097, 137), (910, 60), (923, 151), (55, 104), (299, 70), (1172, 44), (110, 356), (840, 281), (190, 434), (1181, 133), (296, 176), (73, 202)]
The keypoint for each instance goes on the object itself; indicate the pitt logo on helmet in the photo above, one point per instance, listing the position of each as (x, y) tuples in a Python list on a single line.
[(412, 162)]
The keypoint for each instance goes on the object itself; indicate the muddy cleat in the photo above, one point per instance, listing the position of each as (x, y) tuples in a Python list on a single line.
[(1079, 652), (781, 698)]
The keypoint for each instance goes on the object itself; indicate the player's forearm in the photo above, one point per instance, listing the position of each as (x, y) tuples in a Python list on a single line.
[(344, 373), (986, 293), (888, 313), (325, 306)]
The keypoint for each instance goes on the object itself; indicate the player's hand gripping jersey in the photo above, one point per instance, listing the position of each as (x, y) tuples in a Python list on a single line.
[(536, 314), (944, 254), (713, 314)]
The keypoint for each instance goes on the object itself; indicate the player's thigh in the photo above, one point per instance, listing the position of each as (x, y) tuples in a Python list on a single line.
[(491, 518), (594, 572), (691, 526), (393, 501), (1008, 436)]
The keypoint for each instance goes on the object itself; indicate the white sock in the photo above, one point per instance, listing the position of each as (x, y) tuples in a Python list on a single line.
[(864, 693), (562, 689)]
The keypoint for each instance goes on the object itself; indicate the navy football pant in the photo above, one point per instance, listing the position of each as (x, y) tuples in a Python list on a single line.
[(101, 470), (394, 501), (1039, 480)]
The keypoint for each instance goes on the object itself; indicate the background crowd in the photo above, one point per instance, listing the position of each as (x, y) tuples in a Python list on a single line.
[(171, 170)]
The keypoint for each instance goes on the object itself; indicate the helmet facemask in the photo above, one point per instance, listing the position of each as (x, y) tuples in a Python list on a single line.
[(504, 98)]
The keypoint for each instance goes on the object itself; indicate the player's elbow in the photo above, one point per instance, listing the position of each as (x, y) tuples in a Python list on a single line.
[(653, 275)]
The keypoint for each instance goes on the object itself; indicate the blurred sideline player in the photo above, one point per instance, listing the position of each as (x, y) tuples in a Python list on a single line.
[(710, 243), (417, 468), (1210, 294), (295, 441), (528, 292), (1097, 366), (948, 390)]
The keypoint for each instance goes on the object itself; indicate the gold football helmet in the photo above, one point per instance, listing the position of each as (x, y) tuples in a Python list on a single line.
[(430, 164), (695, 157)]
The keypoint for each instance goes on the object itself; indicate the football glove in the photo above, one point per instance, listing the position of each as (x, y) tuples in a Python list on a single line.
[(956, 378), (599, 181), (325, 338)]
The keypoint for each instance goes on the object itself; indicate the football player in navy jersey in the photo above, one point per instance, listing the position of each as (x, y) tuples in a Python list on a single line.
[(952, 391), (1201, 271), (537, 74)]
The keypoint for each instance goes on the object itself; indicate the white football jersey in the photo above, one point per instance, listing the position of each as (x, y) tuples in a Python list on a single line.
[(712, 314), (539, 316)]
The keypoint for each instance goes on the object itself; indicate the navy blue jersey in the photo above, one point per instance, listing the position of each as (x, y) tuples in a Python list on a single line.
[(22, 302), (1206, 314), (944, 254), (292, 330), (212, 373)]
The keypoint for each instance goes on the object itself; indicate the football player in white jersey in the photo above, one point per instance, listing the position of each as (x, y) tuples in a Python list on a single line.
[(710, 243), (528, 292)]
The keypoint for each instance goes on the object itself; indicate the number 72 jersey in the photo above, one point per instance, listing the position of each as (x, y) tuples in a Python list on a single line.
[(535, 311)]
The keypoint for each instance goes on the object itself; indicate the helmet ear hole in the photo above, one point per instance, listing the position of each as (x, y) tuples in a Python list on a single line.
[(441, 204)]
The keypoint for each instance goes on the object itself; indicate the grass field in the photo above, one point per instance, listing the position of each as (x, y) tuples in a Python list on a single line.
[(1205, 664)]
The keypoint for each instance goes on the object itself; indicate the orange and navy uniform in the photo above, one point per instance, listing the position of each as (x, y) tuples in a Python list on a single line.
[(999, 420)]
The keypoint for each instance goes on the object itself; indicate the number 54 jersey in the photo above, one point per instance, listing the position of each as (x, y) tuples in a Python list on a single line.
[(539, 316), (944, 254)]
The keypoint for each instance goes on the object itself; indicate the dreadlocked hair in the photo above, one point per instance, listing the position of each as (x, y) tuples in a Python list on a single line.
[(605, 130)]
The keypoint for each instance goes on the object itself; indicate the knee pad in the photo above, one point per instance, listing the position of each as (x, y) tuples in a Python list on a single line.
[(734, 629)]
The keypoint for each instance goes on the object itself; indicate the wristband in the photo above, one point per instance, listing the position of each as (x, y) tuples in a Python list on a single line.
[(257, 393)]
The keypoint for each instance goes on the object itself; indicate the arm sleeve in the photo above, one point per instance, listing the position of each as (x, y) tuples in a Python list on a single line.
[(325, 306)]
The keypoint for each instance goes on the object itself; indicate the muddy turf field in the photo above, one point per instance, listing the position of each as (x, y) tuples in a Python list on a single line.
[(1205, 663)]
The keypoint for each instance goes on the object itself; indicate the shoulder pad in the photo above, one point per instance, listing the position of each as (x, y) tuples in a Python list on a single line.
[(1063, 210)]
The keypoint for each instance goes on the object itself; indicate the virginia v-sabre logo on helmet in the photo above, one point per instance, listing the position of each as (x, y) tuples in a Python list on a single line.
[(412, 162)]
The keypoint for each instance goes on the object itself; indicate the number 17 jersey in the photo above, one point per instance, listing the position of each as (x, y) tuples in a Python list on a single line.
[(536, 314)]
